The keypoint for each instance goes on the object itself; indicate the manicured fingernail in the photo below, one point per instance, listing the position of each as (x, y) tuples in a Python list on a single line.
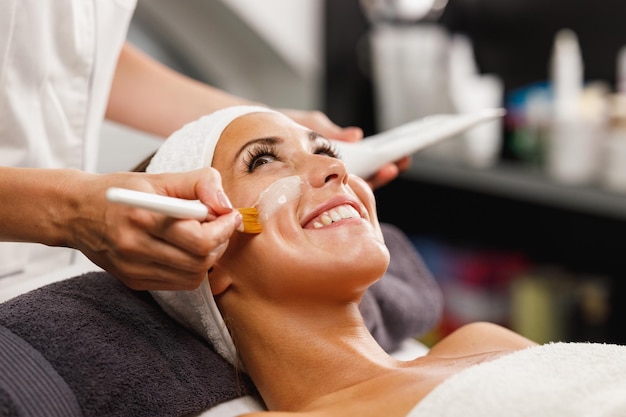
[(240, 227), (223, 199)]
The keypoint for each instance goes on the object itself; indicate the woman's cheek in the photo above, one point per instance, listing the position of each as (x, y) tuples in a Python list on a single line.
[(277, 194), (363, 191)]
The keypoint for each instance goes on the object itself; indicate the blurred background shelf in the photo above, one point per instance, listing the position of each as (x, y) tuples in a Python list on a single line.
[(479, 229), (509, 206), (511, 180), (478, 219)]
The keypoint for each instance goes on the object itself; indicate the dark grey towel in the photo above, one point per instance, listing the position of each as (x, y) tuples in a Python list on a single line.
[(119, 353), (407, 301), (29, 385)]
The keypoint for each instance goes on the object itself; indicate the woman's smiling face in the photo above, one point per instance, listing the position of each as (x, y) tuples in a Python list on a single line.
[(316, 218)]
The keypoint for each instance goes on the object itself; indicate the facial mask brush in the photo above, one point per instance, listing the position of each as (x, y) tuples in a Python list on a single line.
[(366, 157), (177, 207)]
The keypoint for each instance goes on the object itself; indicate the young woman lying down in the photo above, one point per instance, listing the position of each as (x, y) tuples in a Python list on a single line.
[(282, 305)]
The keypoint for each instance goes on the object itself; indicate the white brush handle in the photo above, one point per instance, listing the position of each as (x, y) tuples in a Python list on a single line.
[(366, 157), (171, 206)]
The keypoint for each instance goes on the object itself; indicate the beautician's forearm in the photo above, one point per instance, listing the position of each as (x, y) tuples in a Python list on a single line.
[(151, 97), (36, 204)]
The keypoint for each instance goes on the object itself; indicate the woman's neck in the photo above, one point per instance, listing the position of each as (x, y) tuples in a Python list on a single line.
[(297, 354)]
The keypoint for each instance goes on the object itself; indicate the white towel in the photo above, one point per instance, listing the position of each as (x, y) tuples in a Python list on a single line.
[(192, 146), (187, 149), (552, 380)]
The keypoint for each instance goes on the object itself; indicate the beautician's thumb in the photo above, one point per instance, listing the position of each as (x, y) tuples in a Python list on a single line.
[(209, 190), (203, 184)]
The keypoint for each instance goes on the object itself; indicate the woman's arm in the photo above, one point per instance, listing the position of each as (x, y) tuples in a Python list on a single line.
[(153, 98), (27, 211), (148, 96), (63, 207)]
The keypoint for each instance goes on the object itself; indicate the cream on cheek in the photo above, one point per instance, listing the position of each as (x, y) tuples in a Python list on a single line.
[(277, 194)]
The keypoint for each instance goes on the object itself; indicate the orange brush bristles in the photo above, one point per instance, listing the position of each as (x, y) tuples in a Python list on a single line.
[(250, 220)]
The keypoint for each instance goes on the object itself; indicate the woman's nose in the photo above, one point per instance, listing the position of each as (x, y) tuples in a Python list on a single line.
[(324, 169)]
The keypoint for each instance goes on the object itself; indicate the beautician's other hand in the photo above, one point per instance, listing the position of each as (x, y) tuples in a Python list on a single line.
[(150, 251), (320, 122), (163, 101)]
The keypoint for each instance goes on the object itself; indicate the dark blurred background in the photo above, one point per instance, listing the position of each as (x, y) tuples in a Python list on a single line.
[(452, 222)]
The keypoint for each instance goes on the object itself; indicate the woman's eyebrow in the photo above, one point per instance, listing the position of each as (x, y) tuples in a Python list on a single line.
[(313, 135)]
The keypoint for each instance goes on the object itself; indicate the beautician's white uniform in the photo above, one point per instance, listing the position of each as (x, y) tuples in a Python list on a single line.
[(57, 60)]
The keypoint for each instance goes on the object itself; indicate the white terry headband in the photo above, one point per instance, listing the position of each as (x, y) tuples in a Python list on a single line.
[(192, 147)]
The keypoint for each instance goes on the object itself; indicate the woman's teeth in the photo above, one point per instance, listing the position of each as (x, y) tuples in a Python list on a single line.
[(338, 213)]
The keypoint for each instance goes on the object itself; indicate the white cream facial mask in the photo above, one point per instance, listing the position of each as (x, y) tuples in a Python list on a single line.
[(277, 194)]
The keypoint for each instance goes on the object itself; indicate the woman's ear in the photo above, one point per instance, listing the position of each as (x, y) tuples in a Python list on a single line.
[(219, 280)]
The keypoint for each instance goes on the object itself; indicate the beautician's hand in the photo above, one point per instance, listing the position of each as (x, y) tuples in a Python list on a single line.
[(320, 122), (150, 251)]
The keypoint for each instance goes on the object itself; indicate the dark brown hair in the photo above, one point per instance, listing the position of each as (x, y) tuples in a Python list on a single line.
[(141, 167)]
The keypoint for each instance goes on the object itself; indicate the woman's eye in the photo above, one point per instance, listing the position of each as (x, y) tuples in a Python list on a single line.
[(260, 160), (259, 156), (265, 154), (327, 149)]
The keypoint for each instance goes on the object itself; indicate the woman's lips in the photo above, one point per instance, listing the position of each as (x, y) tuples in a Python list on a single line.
[(330, 216)]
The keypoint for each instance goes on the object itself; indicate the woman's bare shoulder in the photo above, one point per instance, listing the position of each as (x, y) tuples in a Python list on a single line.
[(480, 337)]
